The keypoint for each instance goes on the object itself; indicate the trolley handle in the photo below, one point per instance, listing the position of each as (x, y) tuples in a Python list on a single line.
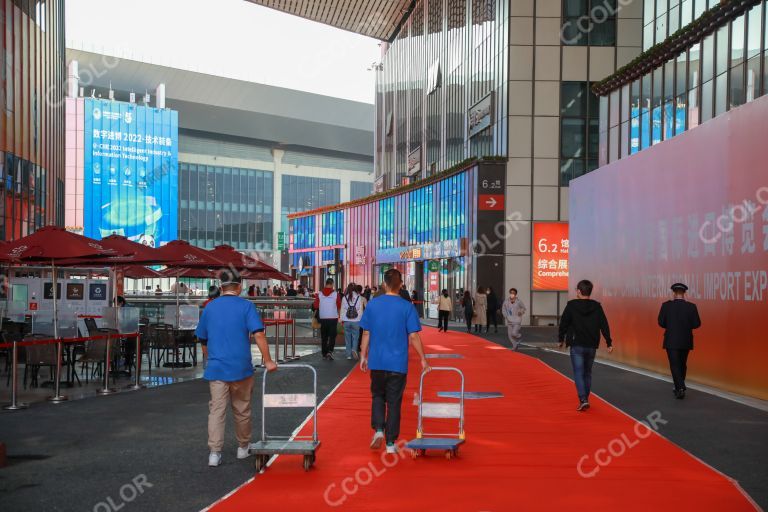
[(296, 366), (421, 396)]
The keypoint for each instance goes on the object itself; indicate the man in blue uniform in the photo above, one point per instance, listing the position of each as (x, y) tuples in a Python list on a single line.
[(390, 324), (678, 318), (228, 325)]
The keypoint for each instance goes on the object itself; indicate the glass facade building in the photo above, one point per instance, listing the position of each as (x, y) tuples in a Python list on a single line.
[(725, 70), (32, 75), (425, 231), (360, 189), (225, 205), (589, 22), (445, 70), (579, 115)]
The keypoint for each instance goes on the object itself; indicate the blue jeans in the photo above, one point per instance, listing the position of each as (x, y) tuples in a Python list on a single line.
[(351, 335), (582, 359)]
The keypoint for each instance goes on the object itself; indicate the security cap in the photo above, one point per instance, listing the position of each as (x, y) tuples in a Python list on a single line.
[(679, 287)]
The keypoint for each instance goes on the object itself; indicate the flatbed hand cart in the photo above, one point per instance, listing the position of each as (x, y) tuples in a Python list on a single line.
[(453, 410), (284, 445)]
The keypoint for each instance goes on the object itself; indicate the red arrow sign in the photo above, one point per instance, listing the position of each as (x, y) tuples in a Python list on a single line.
[(491, 202)]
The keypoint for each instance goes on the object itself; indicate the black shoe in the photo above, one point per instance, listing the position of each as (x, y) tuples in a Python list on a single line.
[(680, 394), (583, 406)]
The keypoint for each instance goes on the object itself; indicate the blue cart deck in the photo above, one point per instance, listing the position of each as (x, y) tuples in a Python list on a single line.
[(285, 447), (434, 443)]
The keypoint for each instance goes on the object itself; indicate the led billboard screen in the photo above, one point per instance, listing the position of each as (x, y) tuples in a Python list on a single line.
[(130, 172), (550, 256)]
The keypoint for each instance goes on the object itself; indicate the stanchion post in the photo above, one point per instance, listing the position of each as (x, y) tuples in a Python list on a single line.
[(277, 341), (293, 340), (57, 397), (136, 384), (106, 390), (285, 340), (14, 405)]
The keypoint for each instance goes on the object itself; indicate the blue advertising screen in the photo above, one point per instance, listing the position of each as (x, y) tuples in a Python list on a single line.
[(652, 133), (130, 172)]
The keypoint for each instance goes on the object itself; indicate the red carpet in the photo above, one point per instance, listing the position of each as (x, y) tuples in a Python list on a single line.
[(521, 452)]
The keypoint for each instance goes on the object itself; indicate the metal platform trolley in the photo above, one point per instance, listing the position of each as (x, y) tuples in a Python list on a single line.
[(284, 445), (453, 410)]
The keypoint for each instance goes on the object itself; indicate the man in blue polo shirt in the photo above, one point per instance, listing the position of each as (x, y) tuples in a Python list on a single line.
[(390, 323), (228, 324)]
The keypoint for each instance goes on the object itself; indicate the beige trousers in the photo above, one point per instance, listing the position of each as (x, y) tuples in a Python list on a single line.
[(239, 394)]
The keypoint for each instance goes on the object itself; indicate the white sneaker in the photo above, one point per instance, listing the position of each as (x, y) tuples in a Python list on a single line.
[(244, 453), (391, 448), (214, 459), (378, 438), (349, 358)]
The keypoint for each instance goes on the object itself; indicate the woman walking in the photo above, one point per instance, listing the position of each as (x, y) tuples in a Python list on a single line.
[(481, 309), (469, 309), (351, 312), (444, 308)]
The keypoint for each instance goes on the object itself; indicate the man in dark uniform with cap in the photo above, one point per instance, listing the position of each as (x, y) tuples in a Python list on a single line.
[(679, 318)]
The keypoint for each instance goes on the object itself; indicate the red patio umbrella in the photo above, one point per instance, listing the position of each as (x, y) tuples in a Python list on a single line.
[(180, 253), (203, 273), (248, 266), (140, 272), (129, 253), (54, 244)]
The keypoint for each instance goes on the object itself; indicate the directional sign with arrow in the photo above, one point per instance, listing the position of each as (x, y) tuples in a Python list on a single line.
[(490, 202)]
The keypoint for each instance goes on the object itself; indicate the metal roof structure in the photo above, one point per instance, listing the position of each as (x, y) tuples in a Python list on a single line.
[(238, 108), (380, 19)]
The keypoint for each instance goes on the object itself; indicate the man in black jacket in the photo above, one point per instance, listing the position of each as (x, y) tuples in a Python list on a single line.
[(679, 318), (580, 326)]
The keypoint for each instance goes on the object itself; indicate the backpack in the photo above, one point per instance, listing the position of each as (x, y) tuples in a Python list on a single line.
[(352, 309)]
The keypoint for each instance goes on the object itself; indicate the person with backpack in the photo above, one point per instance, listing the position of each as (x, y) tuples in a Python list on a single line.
[(327, 305), (351, 312)]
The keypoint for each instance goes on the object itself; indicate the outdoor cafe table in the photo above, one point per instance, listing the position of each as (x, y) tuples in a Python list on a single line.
[(177, 335)]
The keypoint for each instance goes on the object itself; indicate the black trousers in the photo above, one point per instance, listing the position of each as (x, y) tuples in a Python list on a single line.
[(387, 391), (468, 317), (442, 319), (328, 334), (491, 318), (678, 366)]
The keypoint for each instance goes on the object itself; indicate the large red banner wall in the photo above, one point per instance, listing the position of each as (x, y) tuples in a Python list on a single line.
[(692, 209)]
